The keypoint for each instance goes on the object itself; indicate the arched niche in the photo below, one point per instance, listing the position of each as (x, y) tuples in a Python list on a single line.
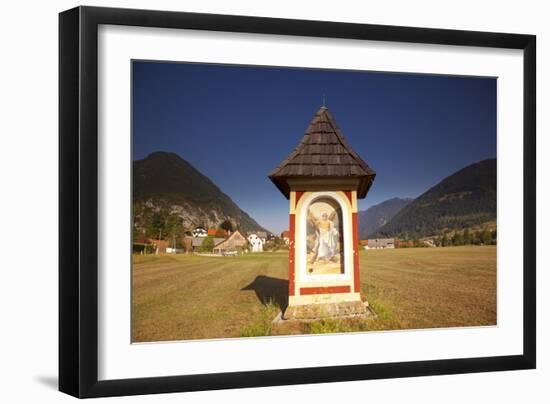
[(325, 236)]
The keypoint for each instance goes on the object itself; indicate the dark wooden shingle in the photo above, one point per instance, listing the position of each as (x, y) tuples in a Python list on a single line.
[(323, 153)]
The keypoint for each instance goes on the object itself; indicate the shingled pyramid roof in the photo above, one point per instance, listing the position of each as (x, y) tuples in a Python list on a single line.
[(323, 153)]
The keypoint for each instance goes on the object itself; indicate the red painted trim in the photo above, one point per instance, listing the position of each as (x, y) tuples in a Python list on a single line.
[(348, 194), (298, 196), (291, 255), (321, 290), (355, 225)]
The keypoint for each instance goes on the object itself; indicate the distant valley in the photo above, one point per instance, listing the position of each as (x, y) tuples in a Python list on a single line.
[(375, 217)]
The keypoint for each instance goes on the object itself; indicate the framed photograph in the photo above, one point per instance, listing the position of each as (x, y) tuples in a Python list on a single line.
[(251, 201)]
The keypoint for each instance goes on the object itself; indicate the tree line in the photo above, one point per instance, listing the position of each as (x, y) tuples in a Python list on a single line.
[(455, 238), (467, 237), (163, 224), (458, 238)]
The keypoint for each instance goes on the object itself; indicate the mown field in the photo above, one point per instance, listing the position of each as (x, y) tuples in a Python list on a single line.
[(179, 297)]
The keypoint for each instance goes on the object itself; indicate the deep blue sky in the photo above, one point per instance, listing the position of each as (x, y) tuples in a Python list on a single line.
[(236, 123)]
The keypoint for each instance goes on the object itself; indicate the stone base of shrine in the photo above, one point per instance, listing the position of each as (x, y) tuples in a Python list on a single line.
[(312, 312)]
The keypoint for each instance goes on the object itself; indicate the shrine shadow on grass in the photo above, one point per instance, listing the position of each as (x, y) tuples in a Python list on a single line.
[(270, 290)]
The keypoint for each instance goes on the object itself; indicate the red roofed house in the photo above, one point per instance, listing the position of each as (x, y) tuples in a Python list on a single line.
[(218, 233)]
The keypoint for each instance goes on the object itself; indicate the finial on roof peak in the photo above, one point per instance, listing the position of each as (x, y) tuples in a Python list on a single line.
[(324, 101)]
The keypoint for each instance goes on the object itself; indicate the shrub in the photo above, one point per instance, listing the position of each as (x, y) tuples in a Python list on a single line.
[(207, 245), (227, 225)]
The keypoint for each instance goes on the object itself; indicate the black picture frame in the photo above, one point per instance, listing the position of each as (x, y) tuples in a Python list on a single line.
[(78, 196)]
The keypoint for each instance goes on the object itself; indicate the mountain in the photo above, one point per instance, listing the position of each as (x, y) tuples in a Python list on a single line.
[(377, 216), (166, 180), (464, 199)]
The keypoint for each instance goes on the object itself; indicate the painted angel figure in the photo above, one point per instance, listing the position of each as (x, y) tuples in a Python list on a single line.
[(326, 236)]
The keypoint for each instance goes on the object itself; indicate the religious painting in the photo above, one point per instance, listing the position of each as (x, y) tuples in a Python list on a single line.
[(325, 242)]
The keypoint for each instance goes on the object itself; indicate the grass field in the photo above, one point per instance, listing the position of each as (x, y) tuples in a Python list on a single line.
[(179, 297)]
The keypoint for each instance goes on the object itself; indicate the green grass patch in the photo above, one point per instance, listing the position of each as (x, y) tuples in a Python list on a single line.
[(385, 319), (262, 323), (330, 326)]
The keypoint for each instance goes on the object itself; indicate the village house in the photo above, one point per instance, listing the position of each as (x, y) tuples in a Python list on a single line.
[(196, 242), (199, 232), (142, 245), (403, 244), (378, 243), (429, 243), (285, 235), (142, 239), (256, 242), (218, 233), (230, 244), (262, 235), (160, 246)]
